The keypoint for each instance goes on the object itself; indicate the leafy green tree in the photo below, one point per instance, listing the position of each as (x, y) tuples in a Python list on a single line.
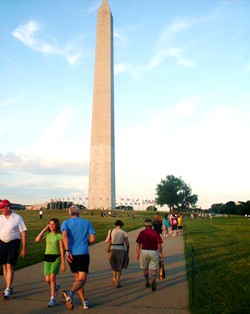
[(216, 208), (151, 208), (229, 208), (174, 192)]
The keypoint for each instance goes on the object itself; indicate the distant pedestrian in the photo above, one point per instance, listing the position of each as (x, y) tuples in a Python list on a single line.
[(12, 237), (118, 257), (157, 223), (166, 226), (180, 224), (78, 234), (41, 214), (174, 224), (149, 252), (54, 256)]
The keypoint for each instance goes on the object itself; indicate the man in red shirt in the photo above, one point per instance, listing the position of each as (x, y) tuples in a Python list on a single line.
[(149, 252)]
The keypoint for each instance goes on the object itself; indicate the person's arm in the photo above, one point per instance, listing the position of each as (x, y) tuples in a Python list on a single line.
[(63, 267), (40, 236), (108, 239), (23, 251), (66, 246), (138, 248), (126, 243), (160, 251), (92, 239)]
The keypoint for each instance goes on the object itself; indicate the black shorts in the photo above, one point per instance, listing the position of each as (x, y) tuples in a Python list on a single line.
[(9, 252), (174, 227), (80, 263)]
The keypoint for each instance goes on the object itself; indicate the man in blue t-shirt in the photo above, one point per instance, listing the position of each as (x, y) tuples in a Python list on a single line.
[(77, 234)]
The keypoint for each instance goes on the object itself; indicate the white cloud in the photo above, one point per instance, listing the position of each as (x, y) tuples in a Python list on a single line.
[(74, 59), (30, 34), (27, 33), (134, 71), (37, 165), (122, 38), (174, 28), (94, 7), (163, 54)]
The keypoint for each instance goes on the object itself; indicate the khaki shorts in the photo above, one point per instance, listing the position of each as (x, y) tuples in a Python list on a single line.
[(149, 259)]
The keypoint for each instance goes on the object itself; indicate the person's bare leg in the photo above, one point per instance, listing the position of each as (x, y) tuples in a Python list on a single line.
[(8, 272), (114, 279), (78, 285), (53, 285), (118, 278), (145, 273), (153, 274)]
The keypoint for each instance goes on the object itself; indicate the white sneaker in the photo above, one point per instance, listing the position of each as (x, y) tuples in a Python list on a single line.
[(7, 293), (52, 302), (86, 305)]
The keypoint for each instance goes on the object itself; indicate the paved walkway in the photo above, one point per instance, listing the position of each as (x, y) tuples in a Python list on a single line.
[(32, 293)]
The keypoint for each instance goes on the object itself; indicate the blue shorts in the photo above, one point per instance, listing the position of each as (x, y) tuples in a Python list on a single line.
[(80, 263)]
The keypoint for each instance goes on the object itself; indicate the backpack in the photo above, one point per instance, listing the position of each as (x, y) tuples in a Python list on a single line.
[(174, 221)]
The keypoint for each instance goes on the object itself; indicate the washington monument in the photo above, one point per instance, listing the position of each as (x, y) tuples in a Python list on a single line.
[(102, 150)]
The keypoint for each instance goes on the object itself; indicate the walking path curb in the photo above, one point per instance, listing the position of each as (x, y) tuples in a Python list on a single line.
[(32, 293)]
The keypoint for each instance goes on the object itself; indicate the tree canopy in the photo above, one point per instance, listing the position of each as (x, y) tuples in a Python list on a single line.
[(175, 193), (231, 208)]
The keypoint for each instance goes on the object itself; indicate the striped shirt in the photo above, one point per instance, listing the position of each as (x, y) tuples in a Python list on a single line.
[(11, 227)]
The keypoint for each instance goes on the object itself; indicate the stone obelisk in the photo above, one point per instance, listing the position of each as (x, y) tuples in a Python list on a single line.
[(102, 150)]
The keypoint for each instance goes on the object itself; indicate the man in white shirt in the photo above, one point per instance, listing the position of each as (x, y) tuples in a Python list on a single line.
[(12, 231)]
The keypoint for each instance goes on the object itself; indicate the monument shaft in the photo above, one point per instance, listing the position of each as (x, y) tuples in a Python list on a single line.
[(102, 150)]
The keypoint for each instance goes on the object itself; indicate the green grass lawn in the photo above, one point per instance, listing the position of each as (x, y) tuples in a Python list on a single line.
[(222, 252)]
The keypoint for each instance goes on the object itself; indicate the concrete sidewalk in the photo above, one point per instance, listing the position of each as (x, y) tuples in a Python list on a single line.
[(32, 294)]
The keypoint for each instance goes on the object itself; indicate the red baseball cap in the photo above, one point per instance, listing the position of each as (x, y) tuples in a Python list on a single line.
[(4, 203)]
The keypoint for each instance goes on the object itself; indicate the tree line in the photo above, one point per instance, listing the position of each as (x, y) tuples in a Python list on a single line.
[(231, 208)]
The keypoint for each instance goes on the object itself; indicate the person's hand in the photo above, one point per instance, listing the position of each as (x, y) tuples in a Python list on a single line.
[(63, 267), (23, 253), (69, 257)]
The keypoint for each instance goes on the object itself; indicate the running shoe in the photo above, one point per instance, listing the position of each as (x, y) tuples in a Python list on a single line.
[(86, 305), (52, 302), (68, 298), (7, 293)]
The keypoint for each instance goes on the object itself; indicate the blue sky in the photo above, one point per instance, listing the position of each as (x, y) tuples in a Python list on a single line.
[(182, 77)]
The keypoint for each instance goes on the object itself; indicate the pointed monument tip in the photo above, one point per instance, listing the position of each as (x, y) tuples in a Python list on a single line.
[(105, 5)]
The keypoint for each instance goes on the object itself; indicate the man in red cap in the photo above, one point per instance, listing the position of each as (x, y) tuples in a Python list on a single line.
[(12, 231)]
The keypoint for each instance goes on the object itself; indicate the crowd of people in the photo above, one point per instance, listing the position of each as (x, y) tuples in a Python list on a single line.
[(70, 242)]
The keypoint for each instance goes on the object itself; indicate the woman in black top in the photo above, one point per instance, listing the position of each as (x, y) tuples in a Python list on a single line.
[(157, 223)]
